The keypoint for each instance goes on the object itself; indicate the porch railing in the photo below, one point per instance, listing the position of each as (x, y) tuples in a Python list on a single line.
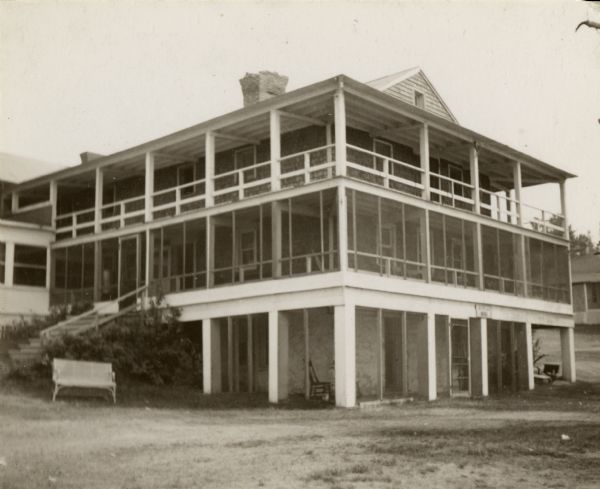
[(116, 215), (244, 182), (179, 200), (384, 171), (74, 224), (498, 206), (503, 285), (542, 220), (452, 192), (315, 164)]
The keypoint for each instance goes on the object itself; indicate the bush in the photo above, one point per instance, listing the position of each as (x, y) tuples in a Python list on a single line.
[(28, 328), (150, 347)]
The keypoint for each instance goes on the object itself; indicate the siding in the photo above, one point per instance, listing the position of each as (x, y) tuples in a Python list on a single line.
[(405, 91)]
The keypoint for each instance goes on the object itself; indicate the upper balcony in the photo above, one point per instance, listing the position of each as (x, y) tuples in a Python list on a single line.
[(338, 128)]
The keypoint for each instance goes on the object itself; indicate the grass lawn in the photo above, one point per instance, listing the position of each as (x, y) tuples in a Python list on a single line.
[(178, 438)]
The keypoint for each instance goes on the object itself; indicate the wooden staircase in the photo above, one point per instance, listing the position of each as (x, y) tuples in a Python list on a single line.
[(30, 351)]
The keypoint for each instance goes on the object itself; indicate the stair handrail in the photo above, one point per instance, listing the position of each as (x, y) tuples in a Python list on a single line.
[(94, 310)]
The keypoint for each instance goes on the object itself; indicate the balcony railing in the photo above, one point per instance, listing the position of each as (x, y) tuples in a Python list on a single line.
[(73, 224), (307, 166), (122, 213), (384, 171), (303, 168), (242, 183), (179, 200)]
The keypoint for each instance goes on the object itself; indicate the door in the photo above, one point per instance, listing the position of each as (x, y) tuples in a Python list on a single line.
[(393, 351), (129, 266), (459, 354)]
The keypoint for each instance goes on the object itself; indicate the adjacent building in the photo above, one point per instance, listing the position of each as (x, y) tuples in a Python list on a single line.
[(355, 228), (586, 289)]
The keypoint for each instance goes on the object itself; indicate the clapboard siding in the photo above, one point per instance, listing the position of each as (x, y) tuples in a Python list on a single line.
[(405, 91)]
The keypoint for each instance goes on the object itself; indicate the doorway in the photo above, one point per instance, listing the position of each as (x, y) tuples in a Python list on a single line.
[(393, 340), (460, 357), (129, 266)]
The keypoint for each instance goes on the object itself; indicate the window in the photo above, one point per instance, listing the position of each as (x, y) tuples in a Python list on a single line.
[(185, 174), (30, 266), (2, 261), (419, 100), (35, 195), (593, 295), (248, 247)]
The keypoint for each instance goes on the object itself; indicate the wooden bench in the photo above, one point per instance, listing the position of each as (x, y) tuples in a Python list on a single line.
[(89, 375)]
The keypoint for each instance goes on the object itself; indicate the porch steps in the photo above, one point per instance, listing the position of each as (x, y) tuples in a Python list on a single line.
[(31, 350), (384, 402)]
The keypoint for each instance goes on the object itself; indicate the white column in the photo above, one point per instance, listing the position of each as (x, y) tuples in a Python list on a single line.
[(276, 238), (99, 190), (53, 201), (211, 356), (49, 268), (474, 170), (345, 355), (563, 205), (529, 353), (9, 264), (342, 209), (567, 346), (275, 140), (424, 155), (339, 111), (479, 250), (518, 188), (209, 169), (427, 374), (278, 356), (149, 173), (479, 359), (14, 202)]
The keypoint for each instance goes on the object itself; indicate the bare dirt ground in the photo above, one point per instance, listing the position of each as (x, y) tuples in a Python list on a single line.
[(177, 438)]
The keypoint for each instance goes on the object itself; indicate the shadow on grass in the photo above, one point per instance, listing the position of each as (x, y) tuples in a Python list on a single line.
[(138, 395)]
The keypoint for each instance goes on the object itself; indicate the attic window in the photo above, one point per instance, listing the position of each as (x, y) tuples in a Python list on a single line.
[(419, 100)]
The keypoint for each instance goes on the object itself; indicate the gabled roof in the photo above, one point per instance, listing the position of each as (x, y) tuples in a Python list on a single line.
[(389, 83), (16, 169)]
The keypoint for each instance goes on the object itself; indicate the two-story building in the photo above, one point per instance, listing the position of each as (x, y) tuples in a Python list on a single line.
[(355, 227)]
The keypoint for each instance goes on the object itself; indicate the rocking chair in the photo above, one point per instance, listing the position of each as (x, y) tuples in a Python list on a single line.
[(318, 389)]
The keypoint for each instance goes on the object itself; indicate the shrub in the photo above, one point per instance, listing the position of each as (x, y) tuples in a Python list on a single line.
[(150, 347), (24, 329)]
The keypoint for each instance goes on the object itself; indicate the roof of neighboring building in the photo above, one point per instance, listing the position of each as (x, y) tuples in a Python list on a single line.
[(16, 169), (585, 268)]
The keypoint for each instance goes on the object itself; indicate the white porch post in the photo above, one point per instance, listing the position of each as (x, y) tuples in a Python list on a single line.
[(567, 346), (275, 141), (276, 238), (424, 156), (345, 355), (479, 357), (209, 169), (474, 169), (149, 188), (342, 209), (9, 264), (563, 206), (427, 374), (278, 356), (517, 183), (53, 200), (14, 202), (529, 356), (211, 356), (339, 110), (99, 190)]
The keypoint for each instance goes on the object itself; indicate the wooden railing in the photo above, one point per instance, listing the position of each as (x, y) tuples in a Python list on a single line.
[(542, 220), (499, 207), (452, 192), (75, 223), (503, 285), (386, 265), (244, 182), (122, 213), (177, 200), (315, 164), (384, 171)]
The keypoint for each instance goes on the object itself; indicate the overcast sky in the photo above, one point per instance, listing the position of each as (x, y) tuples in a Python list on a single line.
[(105, 76)]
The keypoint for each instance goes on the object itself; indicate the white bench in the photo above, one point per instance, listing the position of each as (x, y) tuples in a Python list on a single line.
[(76, 373)]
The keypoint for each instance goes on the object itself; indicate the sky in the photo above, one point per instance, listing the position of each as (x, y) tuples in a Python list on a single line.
[(104, 76)]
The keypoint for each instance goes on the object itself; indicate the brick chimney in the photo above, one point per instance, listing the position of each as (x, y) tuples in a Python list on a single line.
[(262, 86), (88, 157)]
